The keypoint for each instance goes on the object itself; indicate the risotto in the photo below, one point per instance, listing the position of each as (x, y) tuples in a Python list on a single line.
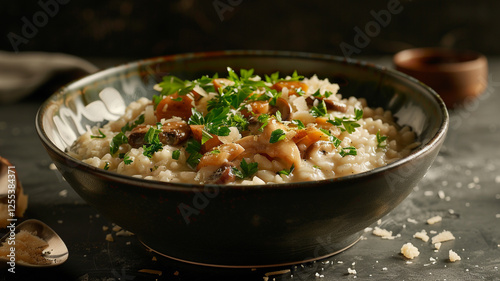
[(245, 129)]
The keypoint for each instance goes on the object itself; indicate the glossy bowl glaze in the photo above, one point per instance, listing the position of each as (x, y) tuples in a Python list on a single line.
[(458, 76), (243, 226)]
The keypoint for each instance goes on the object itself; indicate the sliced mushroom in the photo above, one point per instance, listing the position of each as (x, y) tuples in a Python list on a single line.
[(172, 133), (223, 175), (335, 105), (283, 107), (319, 149), (330, 104)]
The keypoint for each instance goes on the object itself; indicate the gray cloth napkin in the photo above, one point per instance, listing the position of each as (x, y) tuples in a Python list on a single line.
[(21, 74)]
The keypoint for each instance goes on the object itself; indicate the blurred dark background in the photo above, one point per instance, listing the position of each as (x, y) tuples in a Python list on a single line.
[(132, 29)]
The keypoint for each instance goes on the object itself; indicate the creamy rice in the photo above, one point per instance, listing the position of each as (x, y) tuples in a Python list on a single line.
[(301, 154)]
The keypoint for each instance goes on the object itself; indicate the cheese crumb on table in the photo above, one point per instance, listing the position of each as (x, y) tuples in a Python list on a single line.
[(409, 251), (422, 235), (109, 237), (434, 220), (442, 237), (383, 233), (453, 256), (351, 271), (437, 246)]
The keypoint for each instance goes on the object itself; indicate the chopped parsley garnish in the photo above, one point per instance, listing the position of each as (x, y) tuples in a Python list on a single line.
[(287, 172), (193, 147), (246, 169), (264, 120), (100, 136), (351, 150), (106, 166), (344, 151), (205, 136), (299, 124), (333, 139), (278, 116), (275, 77), (381, 140), (129, 127), (172, 84), (300, 92), (152, 142), (319, 110), (127, 160), (318, 94), (117, 140), (176, 154), (347, 124), (277, 135)]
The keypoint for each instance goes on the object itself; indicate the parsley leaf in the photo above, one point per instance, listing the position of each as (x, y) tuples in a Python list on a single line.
[(278, 116), (115, 143), (381, 140), (196, 118), (320, 110), (273, 78), (346, 124), (299, 124), (205, 136), (152, 141), (129, 127), (106, 166), (287, 172), (277, 135), (101, 135), (176, 154), (264, 119), (333, 139), (193, 147), (127, 160), (247, 169), (172, 84), (351, 150)]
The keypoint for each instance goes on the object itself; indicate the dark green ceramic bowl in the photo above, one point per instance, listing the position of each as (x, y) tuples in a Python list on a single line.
[(243, 226)]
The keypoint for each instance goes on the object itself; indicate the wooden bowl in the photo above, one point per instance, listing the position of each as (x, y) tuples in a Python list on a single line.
[(457, 76)]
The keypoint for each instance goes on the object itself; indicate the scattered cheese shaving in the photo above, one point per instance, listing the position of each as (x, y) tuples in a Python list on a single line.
[(437, 246), (409, 251), (434, 220), (351, 271), (422, 235), (453, 256), (442, 237), (383, 233), (109, 237)]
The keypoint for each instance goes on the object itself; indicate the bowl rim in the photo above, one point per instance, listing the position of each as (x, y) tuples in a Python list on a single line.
[(422, 149)]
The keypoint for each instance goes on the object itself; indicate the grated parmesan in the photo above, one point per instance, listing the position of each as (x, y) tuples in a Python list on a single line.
[(409, 251), (442, 237), (434, 220), (422, 235), (453, 256)]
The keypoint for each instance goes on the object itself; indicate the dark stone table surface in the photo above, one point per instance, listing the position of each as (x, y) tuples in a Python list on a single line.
[(462, 186)]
